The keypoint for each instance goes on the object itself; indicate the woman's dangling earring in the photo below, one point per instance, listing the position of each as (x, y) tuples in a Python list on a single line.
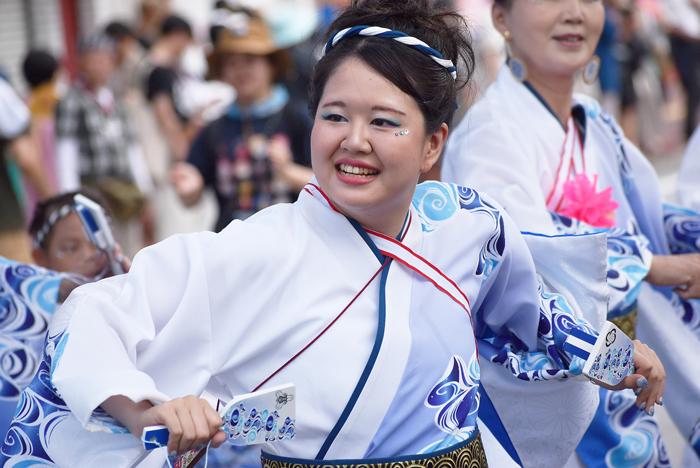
[(590, 71), (517, 67)]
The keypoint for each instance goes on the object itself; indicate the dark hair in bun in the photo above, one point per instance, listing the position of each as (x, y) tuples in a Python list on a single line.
[(411, 70)]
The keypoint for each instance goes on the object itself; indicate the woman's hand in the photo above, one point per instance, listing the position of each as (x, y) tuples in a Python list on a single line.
[(191, 421), (681, 271), (648, 380), (282, 159), (123, 260), (88, 268), (188, 182), (280, 153)]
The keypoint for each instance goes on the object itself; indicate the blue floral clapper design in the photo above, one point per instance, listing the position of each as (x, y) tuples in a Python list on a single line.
[(254, 418)]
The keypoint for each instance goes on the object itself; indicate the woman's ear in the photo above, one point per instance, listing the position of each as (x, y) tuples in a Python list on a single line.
[(434, 145), (498, 16)]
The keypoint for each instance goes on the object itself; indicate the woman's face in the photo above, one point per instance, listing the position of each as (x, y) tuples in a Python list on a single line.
[(367, 171), (251, 75), (67, 245), (552, 37)]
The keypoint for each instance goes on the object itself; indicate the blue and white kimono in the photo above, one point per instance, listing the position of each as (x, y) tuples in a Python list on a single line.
[(511, 146), (28, 296), (398, 373)]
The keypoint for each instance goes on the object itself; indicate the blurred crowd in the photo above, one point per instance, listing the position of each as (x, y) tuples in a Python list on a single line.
[(175, 147)]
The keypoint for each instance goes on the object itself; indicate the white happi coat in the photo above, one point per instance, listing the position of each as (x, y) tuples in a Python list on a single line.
[(510, 146), (223, 311)]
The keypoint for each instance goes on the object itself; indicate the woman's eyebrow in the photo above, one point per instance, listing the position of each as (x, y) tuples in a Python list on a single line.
[(334, 103), (374, 108), (387, 109)]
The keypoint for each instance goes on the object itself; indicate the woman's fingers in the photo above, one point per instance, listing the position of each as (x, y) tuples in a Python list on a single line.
[(192, 423), (218, 439), (123, 260), (649, 379)]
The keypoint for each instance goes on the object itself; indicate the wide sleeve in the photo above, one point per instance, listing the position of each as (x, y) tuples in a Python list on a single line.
[(629, 260), (494, 156), (145, 335), (519, 323)]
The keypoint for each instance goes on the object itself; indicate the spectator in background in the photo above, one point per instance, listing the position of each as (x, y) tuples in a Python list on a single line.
[(129, 54), (167, 130), (609, 76), (40, 70), (153, 13), (17, 147), (682, 20), (163, 90), (634, 51), (258, 153), (96, 145)]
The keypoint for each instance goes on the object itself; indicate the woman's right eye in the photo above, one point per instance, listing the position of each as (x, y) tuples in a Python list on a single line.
[(333, 117)]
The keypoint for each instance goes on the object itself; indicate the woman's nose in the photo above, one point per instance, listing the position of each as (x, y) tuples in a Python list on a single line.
[(573, 13), (356, 140)]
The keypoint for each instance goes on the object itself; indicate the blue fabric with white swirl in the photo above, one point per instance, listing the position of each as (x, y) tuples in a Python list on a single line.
[(456, 397), (27, 300), (39, 411), (695, 437), (436, 202), (682, 229), (549, 362), (627, 266), (621, 436)]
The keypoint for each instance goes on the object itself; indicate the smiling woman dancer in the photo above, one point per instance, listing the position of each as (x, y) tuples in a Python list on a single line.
[(559, 164), (381, 290)]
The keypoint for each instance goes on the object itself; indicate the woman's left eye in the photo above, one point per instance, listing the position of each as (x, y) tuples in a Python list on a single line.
[(333, 117), (384, 123)]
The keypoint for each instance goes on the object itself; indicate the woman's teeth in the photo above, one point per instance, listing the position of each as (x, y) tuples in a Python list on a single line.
[(357, 171)]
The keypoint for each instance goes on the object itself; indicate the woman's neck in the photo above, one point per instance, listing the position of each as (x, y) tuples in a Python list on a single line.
[(557, 92)]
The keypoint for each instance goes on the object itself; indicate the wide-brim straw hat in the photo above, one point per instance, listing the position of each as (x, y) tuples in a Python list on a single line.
[(249, 36)]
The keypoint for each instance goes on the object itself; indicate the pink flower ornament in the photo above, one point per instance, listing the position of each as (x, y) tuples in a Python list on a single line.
[(584, 204)]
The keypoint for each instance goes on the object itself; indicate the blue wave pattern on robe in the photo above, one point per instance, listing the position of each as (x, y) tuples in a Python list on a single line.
[(695, 437), (683, 234), (27, 300), (632, 438), (626, 265), (456, 396), (40, 409), (436, 202)]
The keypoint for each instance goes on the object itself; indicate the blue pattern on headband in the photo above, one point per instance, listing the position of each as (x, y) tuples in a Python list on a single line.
[(403, 38)]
